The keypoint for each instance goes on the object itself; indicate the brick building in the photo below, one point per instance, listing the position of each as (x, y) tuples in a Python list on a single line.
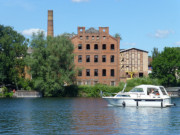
[(133, 63), (97, 55)]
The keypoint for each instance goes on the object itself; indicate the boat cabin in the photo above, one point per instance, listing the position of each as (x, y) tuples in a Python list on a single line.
[(149, 90), (145, 91)]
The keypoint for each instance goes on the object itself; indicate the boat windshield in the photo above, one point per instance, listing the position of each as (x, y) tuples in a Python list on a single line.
[(163, 91), (137, 90)]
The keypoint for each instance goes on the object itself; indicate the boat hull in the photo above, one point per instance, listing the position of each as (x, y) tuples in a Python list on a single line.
[(138, 102)]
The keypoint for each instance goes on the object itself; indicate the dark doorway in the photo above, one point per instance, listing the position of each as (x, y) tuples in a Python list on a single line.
[(140, 74)]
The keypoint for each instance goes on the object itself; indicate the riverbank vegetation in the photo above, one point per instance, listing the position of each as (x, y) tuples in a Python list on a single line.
[(52, 69), (5, 93), (13, 47), (166, 66), (51, 63), (94, 91)]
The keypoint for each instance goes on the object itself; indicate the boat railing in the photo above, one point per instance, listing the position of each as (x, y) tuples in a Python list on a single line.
[(107, 94)]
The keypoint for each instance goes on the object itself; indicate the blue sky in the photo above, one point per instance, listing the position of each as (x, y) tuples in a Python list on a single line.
[(142, 24)]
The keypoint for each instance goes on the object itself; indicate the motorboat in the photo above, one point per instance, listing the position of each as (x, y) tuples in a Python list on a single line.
[(141, 96)]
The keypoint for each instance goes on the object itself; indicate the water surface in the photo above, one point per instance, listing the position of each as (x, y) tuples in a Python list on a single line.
[(84, 116)]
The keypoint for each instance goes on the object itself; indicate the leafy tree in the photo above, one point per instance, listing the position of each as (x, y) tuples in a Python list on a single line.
[(13, 47), (117, 35), (51, 63), (166, 66)]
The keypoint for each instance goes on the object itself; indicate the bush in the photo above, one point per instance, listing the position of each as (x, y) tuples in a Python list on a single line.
[(94, 91), (8, 94), (70, 91), (26, 84)]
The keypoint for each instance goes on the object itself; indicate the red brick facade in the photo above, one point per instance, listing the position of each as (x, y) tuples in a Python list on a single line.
[(97, 55)]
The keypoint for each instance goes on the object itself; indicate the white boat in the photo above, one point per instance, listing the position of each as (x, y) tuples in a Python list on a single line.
[(141, 96)]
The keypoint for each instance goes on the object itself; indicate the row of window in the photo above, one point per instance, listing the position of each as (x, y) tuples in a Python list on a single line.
[(89, 82), (88, 47), (93, 37), (96, 58), (96, 72)]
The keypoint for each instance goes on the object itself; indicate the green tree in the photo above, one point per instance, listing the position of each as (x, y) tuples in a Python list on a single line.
[(166, 66), (117, 35), (13, 47), (51, 63)]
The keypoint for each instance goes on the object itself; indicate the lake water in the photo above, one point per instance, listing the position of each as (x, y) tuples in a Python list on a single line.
[(84, 116)]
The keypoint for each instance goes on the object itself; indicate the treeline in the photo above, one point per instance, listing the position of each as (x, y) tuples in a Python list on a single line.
[(52, 69), (50, 64), (166, 66)]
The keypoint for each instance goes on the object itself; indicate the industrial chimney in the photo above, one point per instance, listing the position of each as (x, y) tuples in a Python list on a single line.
[(50, 31)]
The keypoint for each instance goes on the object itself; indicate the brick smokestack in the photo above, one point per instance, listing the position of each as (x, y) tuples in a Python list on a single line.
[(50, 31)]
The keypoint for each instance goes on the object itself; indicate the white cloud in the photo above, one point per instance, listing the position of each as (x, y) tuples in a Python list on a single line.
[(29, 32), (177, 43), (129, 44), (162, 33), (80, 0)]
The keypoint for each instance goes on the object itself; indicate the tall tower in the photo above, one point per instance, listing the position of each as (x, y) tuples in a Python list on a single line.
[(50, 31)]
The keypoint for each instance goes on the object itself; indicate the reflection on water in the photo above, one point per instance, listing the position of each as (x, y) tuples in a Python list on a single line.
[(84, 116)]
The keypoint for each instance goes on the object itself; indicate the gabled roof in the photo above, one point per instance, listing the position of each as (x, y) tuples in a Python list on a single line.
[(92, 30), (124, 50)]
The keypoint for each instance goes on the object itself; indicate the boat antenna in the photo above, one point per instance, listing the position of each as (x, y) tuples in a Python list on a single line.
[(124, 87)]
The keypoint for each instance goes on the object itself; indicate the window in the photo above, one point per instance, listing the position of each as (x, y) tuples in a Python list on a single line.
[(104, 37), (80, 46), (87, 58), (95, 82), (79, 58), (95, 72), (137, 90), (96, 47), (104, 58), (79, 83), (80, 73), (97, 37), (92, 37), (88, 82), (163, 91), (87, 72), (87, 37), (152, 91), (95, 58), (104, 72), (112, 83), (112, 46), (81, 37), (88, 47), (112, 72), (112, 58), (104, 46), (140, 74)]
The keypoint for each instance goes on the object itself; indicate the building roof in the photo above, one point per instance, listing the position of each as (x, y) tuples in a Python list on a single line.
[(92, 30), (124, 50)]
